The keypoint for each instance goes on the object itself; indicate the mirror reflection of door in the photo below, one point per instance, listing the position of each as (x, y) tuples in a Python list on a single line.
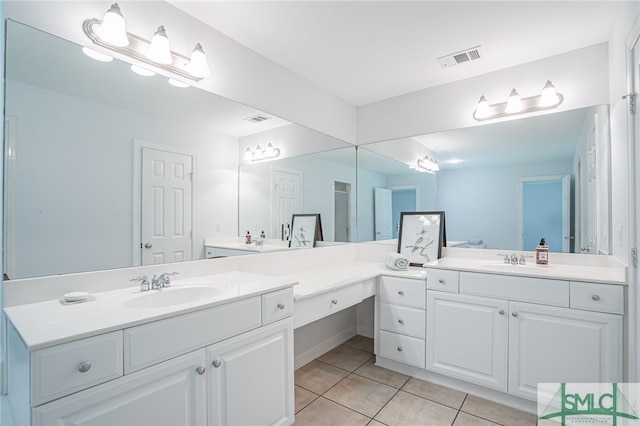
[(588, 196), (342, 211), (287, 199), (402, 200), (382, 212), (167, 205), (546, 212)]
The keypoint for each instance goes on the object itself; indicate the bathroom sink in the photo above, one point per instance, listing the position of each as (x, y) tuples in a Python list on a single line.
[(170, 297), (507, 267)]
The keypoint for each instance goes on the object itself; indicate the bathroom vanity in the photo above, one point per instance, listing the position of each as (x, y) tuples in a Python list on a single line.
[(199, 352)]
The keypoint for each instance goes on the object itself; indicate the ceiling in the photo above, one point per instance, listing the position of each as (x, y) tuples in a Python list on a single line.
[(366, 51)]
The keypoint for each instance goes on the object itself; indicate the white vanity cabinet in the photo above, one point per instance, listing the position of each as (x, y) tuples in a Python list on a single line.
[(227, 364), (510, 332), (401, 322)]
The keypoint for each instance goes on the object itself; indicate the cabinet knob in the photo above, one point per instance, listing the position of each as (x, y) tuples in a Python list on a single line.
[(216, 363), (400, 320), (401, 293), (501, 311), (84, 366), (595, 297), (201, 370), (399, 348), (334, 302), (442, 281), (280, 305), (514, 313)]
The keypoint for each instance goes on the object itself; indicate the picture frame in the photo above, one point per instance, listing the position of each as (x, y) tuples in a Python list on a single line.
[(306, 230), (421, 236)]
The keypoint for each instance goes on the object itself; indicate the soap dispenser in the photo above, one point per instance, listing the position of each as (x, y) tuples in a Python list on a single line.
[(248, 238), (542, 253)]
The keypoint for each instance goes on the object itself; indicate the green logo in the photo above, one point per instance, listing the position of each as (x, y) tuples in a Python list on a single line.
[(589, 407)]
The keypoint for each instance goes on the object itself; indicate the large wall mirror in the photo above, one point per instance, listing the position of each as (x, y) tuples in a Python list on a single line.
[(84, 136), (502, 185)]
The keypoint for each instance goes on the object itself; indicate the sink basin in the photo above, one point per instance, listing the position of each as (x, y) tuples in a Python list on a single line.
[(170, 297), (541, 269)]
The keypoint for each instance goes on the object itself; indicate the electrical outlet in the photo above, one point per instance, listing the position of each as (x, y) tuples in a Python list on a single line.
[(218, 226)]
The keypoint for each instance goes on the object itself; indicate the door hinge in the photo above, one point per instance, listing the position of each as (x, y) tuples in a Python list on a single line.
[(632, 102), (634, 257)]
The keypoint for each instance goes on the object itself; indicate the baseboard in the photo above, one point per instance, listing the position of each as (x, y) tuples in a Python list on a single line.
[(323, 347), (365, 330)]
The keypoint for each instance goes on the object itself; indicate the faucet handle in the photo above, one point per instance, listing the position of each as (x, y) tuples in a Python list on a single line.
[(144, 282), (506, 257), (165, 279)]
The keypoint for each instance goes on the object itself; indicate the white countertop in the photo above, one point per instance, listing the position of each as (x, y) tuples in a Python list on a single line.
[(52, 322), (598, 274)]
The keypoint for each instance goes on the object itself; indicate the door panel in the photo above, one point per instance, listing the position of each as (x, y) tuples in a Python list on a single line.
[(382, 214), (287, 199)]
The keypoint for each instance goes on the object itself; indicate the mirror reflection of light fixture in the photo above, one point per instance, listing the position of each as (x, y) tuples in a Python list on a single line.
[(261, 154), (111, 34), (98, 56), (142, 71), (426, 164), (548, 99)]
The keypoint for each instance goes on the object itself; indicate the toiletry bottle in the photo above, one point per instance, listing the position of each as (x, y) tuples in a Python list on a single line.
[(248, 238), (542, 253), (263, 235)]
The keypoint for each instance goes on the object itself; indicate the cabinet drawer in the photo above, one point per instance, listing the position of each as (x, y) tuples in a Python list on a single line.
[(402, 320), (522, 289), (277, 305), (324, 304), (443, 280), (149, 344), (597, 297), (403, 291), (404, 349), (70, 367)]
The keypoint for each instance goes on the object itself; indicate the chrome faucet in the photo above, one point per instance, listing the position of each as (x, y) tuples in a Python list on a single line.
[(156, 282), (144, 282), (514, 259), (165, 280)]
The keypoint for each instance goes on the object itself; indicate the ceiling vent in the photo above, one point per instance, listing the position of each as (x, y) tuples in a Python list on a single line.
[(257, 119), (467, 55)]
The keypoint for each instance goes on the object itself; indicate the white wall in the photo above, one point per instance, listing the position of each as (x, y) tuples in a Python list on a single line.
[(426, 183), (239, 73), (481, 203), (72, 174)]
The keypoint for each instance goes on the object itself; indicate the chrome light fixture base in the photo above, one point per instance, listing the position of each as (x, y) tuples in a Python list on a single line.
[(137, 48)]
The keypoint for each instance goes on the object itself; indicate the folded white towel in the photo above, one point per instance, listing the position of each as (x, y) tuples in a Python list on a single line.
[(397, 262)]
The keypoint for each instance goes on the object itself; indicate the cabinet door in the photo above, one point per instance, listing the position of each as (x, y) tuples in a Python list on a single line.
[(467, 338), (554, 345), (170, 393), (250, 378)]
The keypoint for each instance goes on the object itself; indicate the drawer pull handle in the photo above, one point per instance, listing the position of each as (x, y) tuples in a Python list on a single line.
[(201, 370), (216, 363), (595, 297), (501, 311), (334, 302), (442, 281), (401, 293), (280, 305), (514, 313), (84, 366), (401, 321), (399, 348)]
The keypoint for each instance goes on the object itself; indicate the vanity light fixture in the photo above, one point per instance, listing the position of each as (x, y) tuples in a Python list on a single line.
[(261, 154), (110, 33), (98, 56), (142, 71), (426, 164), (548, 99)]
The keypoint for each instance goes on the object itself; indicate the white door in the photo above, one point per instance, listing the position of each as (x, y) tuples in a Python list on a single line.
[(250, 378), (567, 235), (287, 200), (342, 211), (588, 208), (170, 393), (383, 218), (166, 207), (467, 338), (554, 345)]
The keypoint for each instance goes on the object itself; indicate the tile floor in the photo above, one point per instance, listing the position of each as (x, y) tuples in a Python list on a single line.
[(344, 387)]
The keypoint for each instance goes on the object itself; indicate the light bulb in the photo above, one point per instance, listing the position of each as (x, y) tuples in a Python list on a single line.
[(98, 56), (513, 103), (549, 96), (112, 30), (248, 154), (177, 83), (142, 71), (483, 110), (159, 50), (198, 66)]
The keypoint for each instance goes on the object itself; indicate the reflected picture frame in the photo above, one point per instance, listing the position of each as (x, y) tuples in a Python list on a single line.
[(421, 236), (306, 230)]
